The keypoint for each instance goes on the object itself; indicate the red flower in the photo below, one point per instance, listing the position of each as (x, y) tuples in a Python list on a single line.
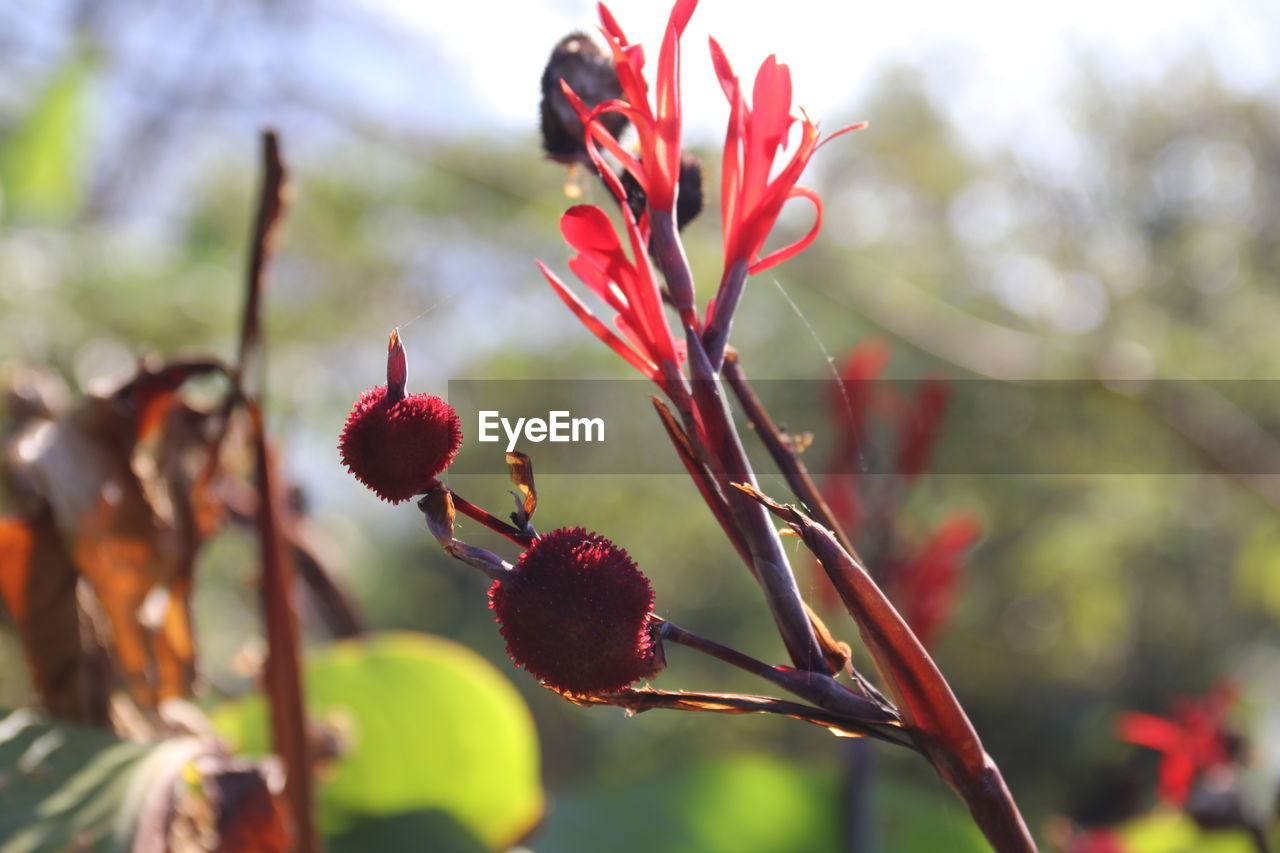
[(851, 401), (575, 613), (918, 430), (1195, 740), (657, 125), (628, 286), (395, 443), (924, 587), (750, 201)]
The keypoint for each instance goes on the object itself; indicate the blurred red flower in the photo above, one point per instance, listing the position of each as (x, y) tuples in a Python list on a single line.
[(1196, 739)]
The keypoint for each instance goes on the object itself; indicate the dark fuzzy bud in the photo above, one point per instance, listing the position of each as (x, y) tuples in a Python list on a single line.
[(689, 199), (579, 62), (575, 613)]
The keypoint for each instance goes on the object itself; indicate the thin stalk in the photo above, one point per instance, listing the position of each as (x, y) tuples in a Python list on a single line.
[(647, 699), (821, 690), (788, 462), (668, 252), (497, 525), (769, 561), (716, 336), (708, 420)]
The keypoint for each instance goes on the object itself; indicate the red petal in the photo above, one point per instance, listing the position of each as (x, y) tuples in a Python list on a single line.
[(865, 361), (587, 228), (790, 251), (644, 296), (610, 23), (662, 152), (770, 120), (681, 12), (771, 99), (841, 132), (600, 330), (1149, 731), (601, 285), (1177, 773)]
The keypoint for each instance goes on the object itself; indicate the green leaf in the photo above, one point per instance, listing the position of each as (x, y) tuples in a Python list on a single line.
[(432, 729), (40, 162), (62, 783), (1173, 832)]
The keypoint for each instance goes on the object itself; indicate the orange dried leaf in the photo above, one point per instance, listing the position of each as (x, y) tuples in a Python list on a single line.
[(43, 606)]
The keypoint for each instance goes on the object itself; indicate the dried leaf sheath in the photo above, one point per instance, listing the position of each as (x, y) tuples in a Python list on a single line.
[(943, 731)]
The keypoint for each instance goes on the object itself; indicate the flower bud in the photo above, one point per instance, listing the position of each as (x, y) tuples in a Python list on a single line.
[(689, 200), (396, 443), (579, 62), (575, 613)]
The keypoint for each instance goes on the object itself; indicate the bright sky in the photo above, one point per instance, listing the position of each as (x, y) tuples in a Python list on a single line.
[(998, 61)]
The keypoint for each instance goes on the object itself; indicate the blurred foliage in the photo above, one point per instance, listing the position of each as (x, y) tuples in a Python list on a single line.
[(1174, 833), (747, 802), (75, 780), (1145, 244), (41, 161), (66, 786), (428, 734)]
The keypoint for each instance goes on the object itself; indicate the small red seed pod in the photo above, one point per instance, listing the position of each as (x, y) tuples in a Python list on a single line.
[(395, 443), (575, 613)]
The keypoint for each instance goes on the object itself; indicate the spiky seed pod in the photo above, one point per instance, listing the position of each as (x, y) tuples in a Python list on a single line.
[(578, 61), (575, 613), (395, 443)]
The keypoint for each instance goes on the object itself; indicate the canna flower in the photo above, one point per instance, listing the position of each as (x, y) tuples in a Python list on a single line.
[(920, 427), (750, 200), (924, 586), (626, 284), (1194, 741), (657, 124), (851, 401), (395, 443), (575, 613)]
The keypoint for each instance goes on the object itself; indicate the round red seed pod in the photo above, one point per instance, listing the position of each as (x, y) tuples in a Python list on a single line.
[(397, 448), (575, 613)]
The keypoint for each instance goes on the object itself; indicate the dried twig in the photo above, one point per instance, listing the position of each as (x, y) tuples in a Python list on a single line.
[(282, 670), (648, 699)]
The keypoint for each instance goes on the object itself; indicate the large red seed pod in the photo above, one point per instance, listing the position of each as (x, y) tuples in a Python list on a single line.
[(397, 443), (575, 613)]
